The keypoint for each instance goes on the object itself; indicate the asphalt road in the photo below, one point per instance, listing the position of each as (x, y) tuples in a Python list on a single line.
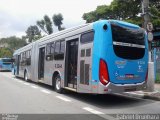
[(20, 97)]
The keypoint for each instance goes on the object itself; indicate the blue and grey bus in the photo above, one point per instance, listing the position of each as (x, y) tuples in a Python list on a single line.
[(6, 64), (105, 56)]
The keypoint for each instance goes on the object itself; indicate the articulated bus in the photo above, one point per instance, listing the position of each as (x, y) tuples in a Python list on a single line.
[(6, 64), (105, 56)]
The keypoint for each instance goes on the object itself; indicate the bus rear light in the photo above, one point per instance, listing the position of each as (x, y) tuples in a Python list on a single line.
[(103, 72)]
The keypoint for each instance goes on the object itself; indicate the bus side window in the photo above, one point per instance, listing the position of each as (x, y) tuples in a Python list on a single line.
[(87, 37), (49, 51), (28, 57), (59, 50), (21, 59), (62, 49), (52, 48)]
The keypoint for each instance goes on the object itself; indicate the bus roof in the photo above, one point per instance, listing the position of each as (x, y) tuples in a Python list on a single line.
[(56, 34), (69, 30)]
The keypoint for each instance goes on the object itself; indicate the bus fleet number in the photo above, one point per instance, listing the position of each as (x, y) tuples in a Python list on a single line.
[(58, 65)]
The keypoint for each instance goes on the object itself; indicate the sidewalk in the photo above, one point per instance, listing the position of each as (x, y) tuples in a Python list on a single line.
[(153, 95), (147, 95)]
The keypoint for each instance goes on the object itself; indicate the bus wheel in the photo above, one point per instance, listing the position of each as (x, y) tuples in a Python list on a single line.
[(25, 76), (58, 87)]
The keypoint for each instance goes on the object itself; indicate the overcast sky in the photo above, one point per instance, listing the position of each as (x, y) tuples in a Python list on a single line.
[(17, 15)]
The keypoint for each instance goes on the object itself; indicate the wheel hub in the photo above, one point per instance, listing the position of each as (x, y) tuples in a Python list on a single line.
[(58, 83)]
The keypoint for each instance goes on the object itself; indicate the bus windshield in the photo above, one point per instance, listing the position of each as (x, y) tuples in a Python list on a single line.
[(7, 60)]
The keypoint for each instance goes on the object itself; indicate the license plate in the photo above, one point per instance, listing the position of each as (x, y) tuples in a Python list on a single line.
[(129, 76), (130, 89)]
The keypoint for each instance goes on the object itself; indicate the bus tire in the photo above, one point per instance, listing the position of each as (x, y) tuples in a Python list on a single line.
[(58, 87), (25, 76)]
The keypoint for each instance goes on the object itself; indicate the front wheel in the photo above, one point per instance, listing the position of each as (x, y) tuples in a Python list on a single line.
[(58, 87)]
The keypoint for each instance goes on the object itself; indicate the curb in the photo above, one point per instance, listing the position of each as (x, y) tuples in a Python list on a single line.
[(134, 95), (153, 96), (145, 95)]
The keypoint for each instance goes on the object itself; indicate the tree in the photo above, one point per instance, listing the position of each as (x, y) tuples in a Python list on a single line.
[(41, 24), (127, 10), (45, 24), (155, 12), (13, 43), (90, 17), (33, 33), (57, 20), (5, 52)]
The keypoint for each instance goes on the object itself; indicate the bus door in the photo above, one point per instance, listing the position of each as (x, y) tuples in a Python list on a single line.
[(71, 63), (41, 63), (17, 62)]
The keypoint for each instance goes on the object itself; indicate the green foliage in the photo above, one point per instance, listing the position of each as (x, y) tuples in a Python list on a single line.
[(41, 24), (158, 78), (127, 10), (155, 12), (13, 43), (90, 17), (5, 52), (33, 33), (45, 24), (57, 20), (48, 24)]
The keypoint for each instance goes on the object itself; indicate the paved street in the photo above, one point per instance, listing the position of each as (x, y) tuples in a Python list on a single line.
[(20, 97)]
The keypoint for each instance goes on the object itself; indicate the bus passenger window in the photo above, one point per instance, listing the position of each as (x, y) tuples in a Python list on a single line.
[(62, 47), (57, 47), (87, 37), (52, 48), (28, 57), (48, 49), (59, 50)]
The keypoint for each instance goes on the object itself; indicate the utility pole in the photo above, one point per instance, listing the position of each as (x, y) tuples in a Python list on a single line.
[(147, 24), (145, 12), (149, 27)]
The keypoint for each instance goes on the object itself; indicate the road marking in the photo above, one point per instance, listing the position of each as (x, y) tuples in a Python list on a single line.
[(34, 86), (63, 98), (26, 83), (92, 110), (46, 91)]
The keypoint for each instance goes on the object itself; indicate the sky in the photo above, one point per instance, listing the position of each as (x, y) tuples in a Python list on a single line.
[(17, 15)]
